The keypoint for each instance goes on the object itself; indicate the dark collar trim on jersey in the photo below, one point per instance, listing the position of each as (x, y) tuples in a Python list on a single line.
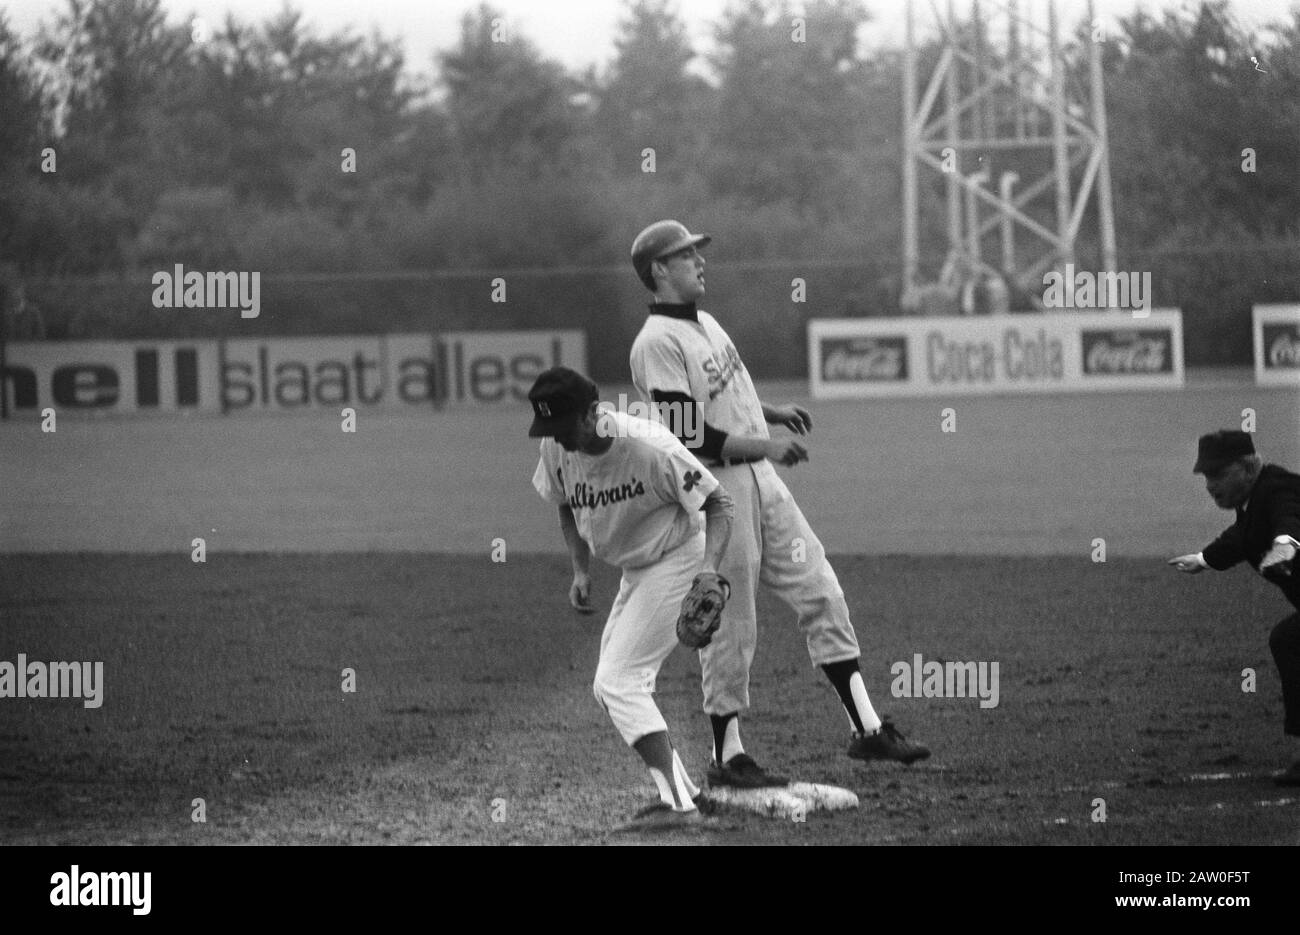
[(684, 310)]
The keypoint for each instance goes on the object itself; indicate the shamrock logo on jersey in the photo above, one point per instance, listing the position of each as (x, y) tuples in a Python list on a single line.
[(692, 478)]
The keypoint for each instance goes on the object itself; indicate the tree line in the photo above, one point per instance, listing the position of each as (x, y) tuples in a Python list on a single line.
[(229, 150)]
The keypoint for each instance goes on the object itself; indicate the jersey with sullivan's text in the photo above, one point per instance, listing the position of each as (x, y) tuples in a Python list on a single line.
[(638, 500)]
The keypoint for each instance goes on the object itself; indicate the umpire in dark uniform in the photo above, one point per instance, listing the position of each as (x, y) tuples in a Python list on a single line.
[(1266, 534)]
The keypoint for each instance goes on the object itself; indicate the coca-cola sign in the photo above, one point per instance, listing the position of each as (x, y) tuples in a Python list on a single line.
[(1127, 351), (1281, 346), (864, 360)]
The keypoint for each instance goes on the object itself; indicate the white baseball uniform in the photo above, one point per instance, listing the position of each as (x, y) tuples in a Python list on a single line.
[(771, 541), (637, 506)]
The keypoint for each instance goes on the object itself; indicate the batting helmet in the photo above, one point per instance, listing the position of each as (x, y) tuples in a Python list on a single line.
[(657, 241)]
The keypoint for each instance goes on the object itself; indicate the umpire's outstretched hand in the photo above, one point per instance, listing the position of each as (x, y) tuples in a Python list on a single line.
[(1187, 563)]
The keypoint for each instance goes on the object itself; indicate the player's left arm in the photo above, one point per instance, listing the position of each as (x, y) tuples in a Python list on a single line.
[(796, 418)]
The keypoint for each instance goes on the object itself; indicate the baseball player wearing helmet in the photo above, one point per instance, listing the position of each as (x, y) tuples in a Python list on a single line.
[(631, 494), (683, 358), (1266, 534)]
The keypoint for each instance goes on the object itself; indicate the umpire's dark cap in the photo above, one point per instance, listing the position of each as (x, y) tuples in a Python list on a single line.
[(657, 241), (1219, 449), (559, 395)]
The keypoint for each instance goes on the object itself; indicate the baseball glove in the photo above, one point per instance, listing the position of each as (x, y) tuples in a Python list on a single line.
[(701, 613)]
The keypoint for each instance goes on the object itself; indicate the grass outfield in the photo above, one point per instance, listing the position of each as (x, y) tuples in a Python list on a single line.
[(1031, 475), (1119, 681)]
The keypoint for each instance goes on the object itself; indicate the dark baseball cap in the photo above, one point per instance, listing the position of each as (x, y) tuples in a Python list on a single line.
[(1217, 450), (660, 239), (559, 395)]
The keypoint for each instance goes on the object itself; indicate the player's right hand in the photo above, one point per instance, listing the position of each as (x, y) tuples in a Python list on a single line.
[(787, 451), (1187, 563), (580, 594)]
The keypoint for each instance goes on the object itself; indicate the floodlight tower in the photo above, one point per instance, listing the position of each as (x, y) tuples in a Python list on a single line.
[(994, 100)]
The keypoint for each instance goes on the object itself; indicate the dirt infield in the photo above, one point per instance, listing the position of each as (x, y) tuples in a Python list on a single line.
[(222, 681)]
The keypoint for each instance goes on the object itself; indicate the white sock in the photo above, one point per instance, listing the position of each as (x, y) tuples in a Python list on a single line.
[(678, 794), (731, 745), (866, 713), (683, 780)]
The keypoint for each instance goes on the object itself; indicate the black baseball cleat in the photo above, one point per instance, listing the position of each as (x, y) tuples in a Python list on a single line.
[(1290, 777), (741, 772), (886, 744)]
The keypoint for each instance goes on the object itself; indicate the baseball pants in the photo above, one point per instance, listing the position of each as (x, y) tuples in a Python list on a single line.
[(1284, 641), (771, 543), (640, 634)]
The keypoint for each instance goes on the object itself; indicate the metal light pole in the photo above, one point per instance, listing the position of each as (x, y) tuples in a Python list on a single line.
[(1005, 184), (1003, 104)]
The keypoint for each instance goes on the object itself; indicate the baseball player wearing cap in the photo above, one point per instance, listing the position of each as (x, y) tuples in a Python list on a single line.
[(1266, 534), (631, 494), (683, 358)]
